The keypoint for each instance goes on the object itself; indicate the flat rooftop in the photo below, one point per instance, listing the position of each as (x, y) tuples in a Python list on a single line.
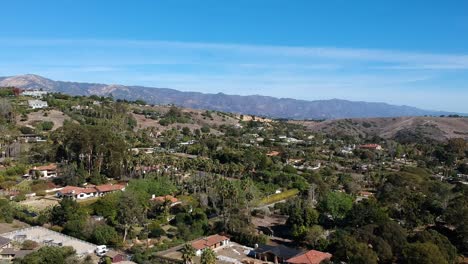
[(45, 236)]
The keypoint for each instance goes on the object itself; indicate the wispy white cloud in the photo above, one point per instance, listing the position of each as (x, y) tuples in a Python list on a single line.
[(402, 59), (310, 73)]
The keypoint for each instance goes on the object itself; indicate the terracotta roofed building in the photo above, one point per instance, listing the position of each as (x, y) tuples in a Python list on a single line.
[(371, 146), (309, 257), (89, 191), (213, 242)]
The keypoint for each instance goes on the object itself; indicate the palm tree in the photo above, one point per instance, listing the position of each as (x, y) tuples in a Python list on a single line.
[(208, 256), (188, 252)]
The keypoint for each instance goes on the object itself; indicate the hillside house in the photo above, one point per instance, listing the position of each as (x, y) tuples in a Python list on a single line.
[(371, 146), (78, 193), (46, 171), (365, 194), (275, 254), (293, 140), (190, 142), (37, 104), (9, 254), (213, 242), (81, 193), (80, 107), (30, 138), (348, 149), (5, 242), (167, 198), (34, 93), (142, 150), (294, 161)]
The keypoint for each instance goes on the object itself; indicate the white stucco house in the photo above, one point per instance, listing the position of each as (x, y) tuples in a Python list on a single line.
[(214, 242), (34, 93), (46, 171), (37, 104), (81, 193)]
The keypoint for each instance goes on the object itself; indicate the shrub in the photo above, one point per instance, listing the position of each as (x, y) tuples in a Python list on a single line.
[(258, 213), (6, 211), (47, 125), (19, 198), (205, 129), (56, 228), (105, 235), (29, 245), (27, 130), (156, 230), (41, 193), (164, 122)]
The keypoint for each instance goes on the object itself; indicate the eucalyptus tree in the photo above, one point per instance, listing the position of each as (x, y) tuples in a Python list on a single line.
[(131, 212)]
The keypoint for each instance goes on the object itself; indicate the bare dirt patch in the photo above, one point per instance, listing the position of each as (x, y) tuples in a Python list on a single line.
[(57, 117), (273, 226), (269, 220)]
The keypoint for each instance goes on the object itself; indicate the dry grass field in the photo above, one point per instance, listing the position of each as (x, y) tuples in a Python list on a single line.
[(439, 128), (57, 117)]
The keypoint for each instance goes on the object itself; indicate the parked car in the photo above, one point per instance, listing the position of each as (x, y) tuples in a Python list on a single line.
[(101, 250)]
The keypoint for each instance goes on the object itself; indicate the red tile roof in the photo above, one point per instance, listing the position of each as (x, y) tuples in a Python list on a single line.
[(365, 193), (110, 187), (162, 199), (49, 167), (310, 257), (92, 189), (76, 190), (208, 241), (273, 153), (370, 146)]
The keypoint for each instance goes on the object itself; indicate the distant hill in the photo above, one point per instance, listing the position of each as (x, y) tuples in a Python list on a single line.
[(408, 129), (252, 104)]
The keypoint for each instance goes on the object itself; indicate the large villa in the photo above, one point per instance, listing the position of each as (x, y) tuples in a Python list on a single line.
[(89, 191)]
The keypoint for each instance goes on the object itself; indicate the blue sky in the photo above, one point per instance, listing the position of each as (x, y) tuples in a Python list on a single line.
[(400, 52)]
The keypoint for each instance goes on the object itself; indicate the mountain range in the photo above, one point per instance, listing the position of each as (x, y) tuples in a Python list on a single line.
[(251, 104)]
